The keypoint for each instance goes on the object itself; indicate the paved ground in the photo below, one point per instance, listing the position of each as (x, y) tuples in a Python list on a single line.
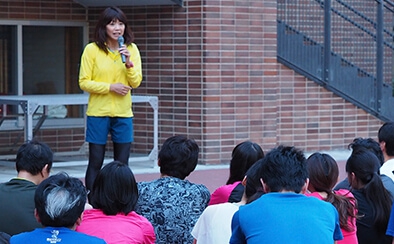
[(212, 176)]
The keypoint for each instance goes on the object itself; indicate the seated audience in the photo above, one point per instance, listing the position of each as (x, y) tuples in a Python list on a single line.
[(373, 200), (284, 214), (171, 203), (243, 156), (214, 224), (33, 163), (373, 146), (113, 197), (323, 175), (59, 202)]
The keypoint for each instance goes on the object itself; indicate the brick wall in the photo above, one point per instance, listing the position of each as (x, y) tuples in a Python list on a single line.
[(213, 66)]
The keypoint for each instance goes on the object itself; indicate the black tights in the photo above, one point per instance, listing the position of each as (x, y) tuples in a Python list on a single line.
[(96, 159)]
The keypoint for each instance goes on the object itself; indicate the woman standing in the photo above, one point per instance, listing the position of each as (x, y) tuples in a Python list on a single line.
[(109, 81)]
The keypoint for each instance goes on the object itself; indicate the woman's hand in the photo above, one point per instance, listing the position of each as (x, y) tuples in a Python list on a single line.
[(124, 51), (119, 88)]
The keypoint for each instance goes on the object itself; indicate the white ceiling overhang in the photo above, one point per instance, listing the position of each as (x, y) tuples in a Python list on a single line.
[(106, 3)]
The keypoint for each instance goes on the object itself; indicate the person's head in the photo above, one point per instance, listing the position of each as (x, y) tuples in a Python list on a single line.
[(386, 138), (323, 172), (362, 167), (35, 158), (112, 19), (284, 169), (114, 189), (243, 156), (60, 201), (253, 188), (369, 144), (323, 175), (178, 157)]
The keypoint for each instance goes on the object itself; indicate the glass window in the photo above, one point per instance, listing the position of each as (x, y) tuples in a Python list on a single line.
[(8, 60), (41, 58)]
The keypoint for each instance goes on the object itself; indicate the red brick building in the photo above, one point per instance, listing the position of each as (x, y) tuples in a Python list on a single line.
[(213, 66)]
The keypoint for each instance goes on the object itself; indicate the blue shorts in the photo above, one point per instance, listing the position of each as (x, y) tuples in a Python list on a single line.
[(98, 128)]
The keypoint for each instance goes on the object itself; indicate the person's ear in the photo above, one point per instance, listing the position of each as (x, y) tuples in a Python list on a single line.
[(265, 186), (305, 187), (352, 179), (79, 220), (45, 172), (37, 216), (382, 145), (158, 162), (244, 180)]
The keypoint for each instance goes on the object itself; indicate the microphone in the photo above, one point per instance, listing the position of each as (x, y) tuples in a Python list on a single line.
[(121, 43)]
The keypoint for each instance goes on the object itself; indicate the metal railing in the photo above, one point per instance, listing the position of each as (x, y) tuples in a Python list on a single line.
[(346, 46)]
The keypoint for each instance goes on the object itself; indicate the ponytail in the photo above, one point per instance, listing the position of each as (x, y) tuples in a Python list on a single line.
[(380, 200), (346, 206), (365, 166)]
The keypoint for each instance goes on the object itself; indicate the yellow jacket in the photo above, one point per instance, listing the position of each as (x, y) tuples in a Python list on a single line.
[(99, 70)]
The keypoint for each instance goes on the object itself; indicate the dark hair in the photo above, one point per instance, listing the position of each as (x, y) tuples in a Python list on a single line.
[(243, 156), (60, 200), (32, 157), (386, 134), (284, 168), (178, 156), (364, 164), (367, 143), (323, 175), (253, 187), (114, 189), (108, 15)]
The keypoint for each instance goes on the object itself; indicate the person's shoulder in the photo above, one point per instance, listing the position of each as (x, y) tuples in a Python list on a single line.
[(23, 237), (222, 207), (92, 46), (344, 192), (84, 238), (148, 184), (139, 219), (18, 184), (226, 188), (199, 187)]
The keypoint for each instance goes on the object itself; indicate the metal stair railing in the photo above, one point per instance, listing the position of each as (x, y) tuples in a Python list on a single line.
[(354, 61)]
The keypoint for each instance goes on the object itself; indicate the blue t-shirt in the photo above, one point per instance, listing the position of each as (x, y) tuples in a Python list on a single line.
[(55, 235), (286, 218)]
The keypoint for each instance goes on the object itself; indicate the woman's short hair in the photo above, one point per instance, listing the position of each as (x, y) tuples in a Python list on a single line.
[(178, 156), (114, 189)]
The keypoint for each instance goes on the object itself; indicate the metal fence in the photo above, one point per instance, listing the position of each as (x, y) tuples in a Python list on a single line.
[(346, 46)]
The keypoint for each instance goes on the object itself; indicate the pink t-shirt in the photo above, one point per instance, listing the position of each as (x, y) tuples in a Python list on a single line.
[(222, 194), (349, 237), (120, 228)]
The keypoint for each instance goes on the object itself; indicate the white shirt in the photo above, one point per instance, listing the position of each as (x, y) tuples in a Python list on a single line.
[(214, 224), (388, 168)]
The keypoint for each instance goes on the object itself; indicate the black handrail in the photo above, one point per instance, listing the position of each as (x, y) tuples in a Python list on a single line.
[(391, 34)]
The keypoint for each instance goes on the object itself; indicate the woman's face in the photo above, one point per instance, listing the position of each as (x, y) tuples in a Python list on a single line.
[(115, 28)]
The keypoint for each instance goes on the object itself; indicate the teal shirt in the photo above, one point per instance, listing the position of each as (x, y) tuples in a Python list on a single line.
[(17, 206)]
